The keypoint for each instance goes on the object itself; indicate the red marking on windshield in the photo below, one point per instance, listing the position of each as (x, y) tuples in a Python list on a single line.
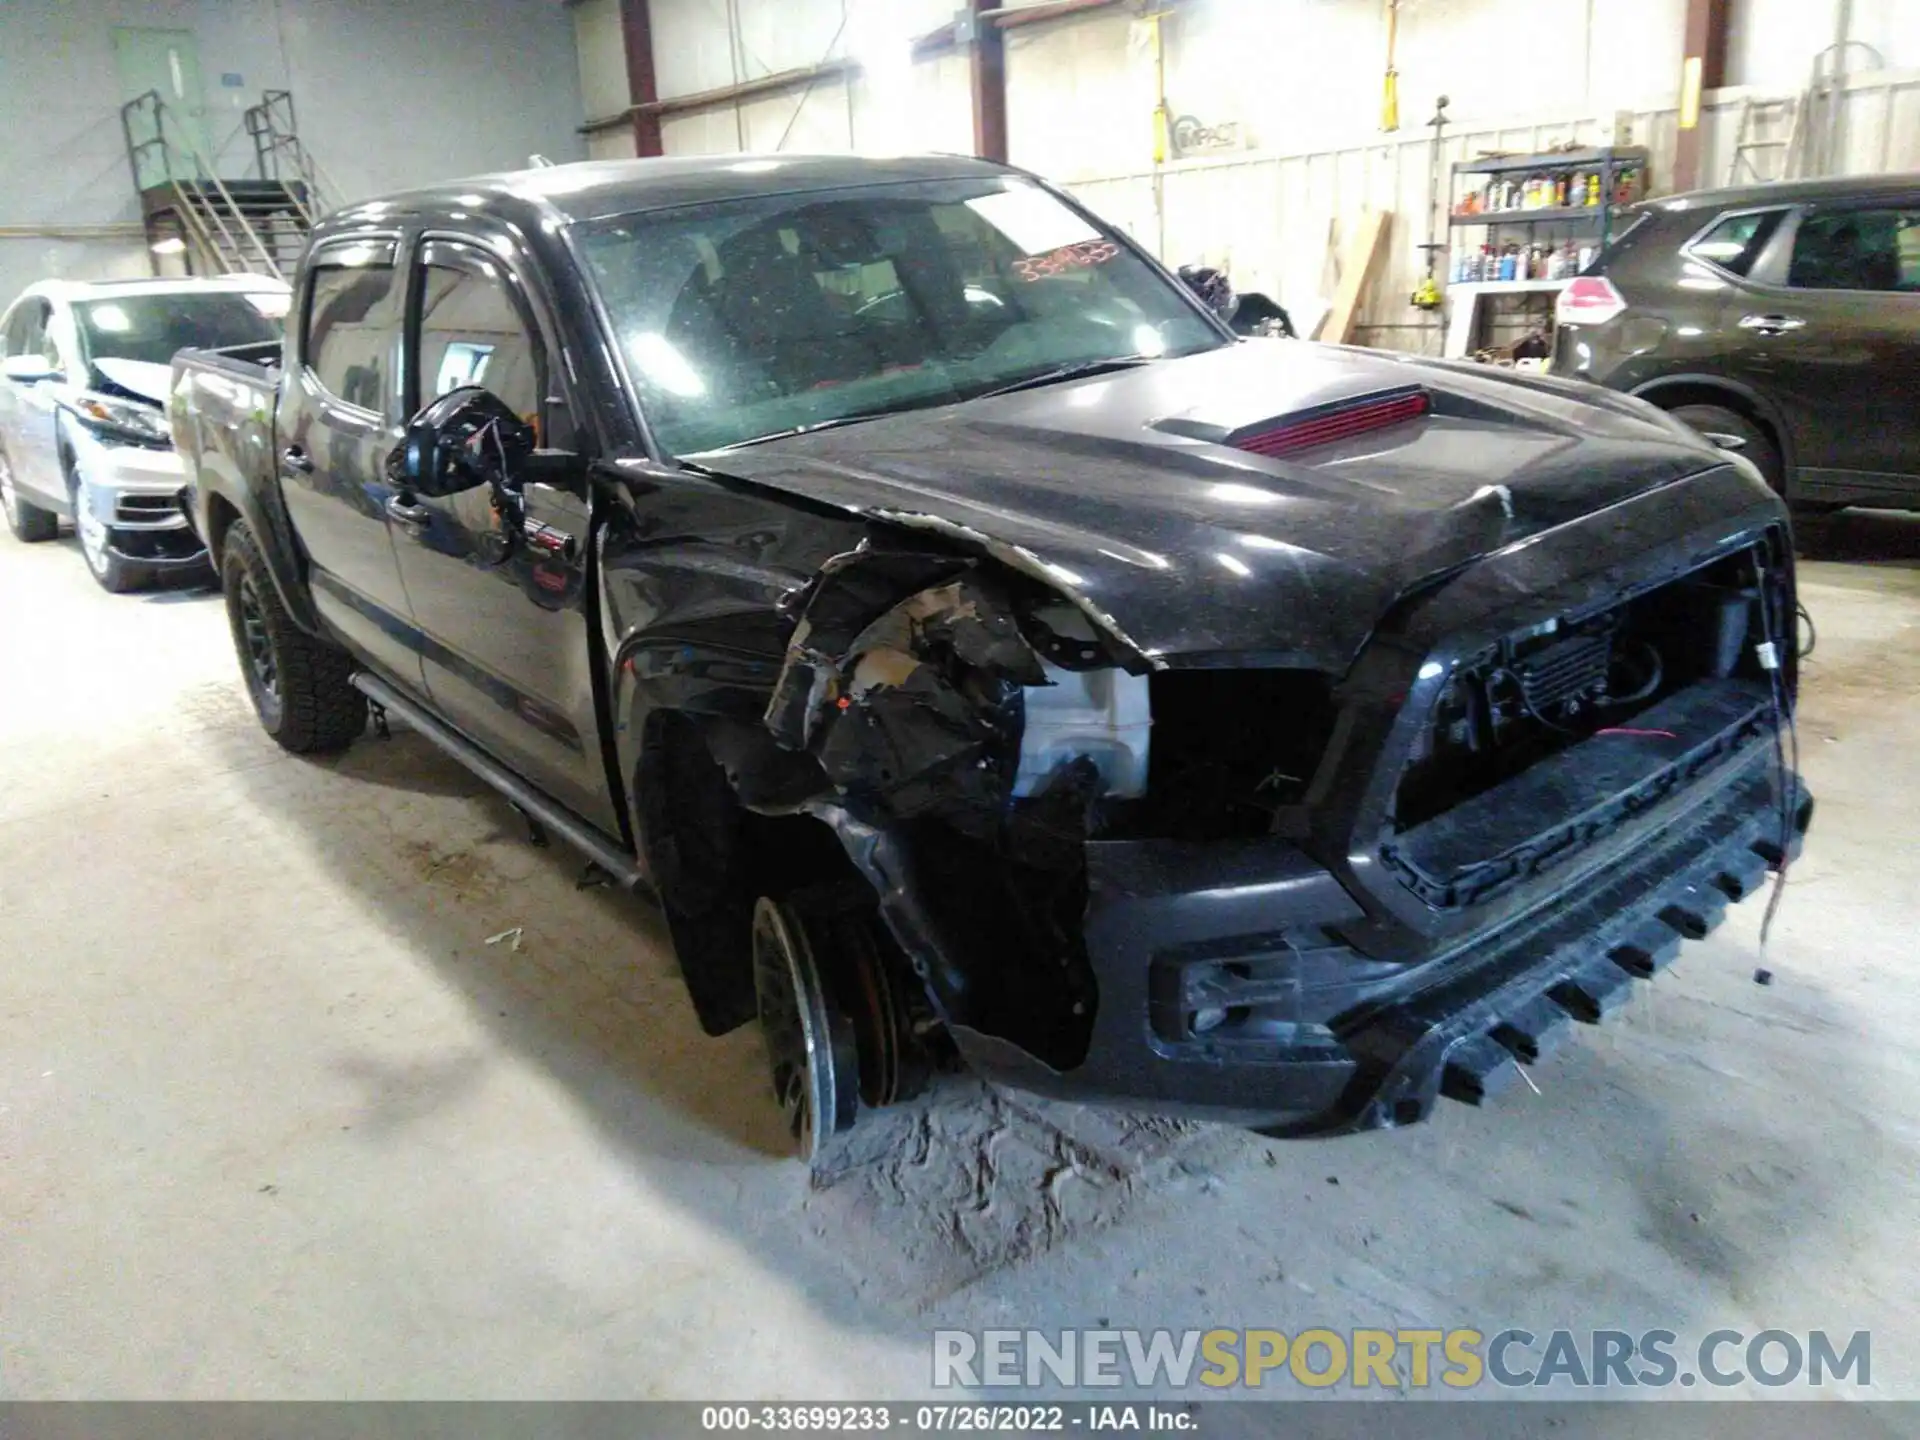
[(1067, 257)]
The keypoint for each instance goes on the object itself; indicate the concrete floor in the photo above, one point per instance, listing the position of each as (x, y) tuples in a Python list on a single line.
[(277, 1121)]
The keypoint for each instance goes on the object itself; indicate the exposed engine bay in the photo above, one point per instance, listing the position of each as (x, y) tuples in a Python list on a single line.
[(1007, 779), (1552, 684)]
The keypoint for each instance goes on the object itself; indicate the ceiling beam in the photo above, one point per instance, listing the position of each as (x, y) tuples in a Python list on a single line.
[(647, 103), (1703, 68), (1007, 16)]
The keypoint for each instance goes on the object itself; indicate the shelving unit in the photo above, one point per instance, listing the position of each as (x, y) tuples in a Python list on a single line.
[(1621, 172)]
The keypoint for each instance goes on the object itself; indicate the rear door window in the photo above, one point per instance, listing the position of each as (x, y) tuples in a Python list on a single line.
[(352, 330), (1736, 241), (1876, 250)]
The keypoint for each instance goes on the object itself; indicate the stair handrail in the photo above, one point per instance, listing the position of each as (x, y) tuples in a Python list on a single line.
[(196, 225), (204, 173), (275, 130)]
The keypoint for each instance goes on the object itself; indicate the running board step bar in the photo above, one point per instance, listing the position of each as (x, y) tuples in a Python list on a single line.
[(522, 796)]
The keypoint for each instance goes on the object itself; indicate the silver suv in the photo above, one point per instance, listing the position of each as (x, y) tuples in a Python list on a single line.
[(84, 375)]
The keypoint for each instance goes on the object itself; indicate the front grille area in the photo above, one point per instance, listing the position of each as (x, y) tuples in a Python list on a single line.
[(1547, 740), (147, 509)]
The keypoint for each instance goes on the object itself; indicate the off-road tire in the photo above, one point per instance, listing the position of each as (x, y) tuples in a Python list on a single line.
[(29, 523), (298, 684)]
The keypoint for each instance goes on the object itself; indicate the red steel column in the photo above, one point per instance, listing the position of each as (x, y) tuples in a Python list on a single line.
[(1704, 68), (636, 30), (989, 72)]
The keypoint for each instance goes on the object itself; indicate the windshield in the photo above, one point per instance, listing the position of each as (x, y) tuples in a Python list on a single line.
[(151, 327), (750, 318)]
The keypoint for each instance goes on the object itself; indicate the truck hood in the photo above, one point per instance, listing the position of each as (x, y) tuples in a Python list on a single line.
[(1128, 492)]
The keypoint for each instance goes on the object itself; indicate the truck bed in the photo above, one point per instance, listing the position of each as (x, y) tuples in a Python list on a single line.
[(221, 412)]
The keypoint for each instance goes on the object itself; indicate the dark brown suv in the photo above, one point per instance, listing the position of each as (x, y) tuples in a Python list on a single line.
[(1782, 319)]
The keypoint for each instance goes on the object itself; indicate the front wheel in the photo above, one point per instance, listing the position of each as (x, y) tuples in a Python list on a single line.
[(28, 522), (300, 685), (113, 572), (809, 1037)]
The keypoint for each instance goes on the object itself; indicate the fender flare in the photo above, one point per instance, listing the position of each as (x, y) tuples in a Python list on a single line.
[(1755, 400), (265, 515)]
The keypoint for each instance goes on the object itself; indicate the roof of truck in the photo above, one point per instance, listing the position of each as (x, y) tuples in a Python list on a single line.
[(591, 189)]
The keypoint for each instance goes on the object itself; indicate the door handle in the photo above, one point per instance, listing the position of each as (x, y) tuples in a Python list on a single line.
[(1772, 324), (409, 513), (297, 460)]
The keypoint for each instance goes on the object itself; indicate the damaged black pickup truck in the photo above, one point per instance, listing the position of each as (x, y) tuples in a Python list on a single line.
[(986, 658)]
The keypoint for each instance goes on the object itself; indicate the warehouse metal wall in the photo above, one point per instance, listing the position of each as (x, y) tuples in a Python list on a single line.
[(388, 95), (1297, 83)]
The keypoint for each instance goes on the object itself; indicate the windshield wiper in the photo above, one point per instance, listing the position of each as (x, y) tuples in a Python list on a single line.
[(854, 418), (1078, 370)]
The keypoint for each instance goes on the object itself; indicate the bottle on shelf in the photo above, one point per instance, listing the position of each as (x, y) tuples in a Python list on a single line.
[(1593, 189)]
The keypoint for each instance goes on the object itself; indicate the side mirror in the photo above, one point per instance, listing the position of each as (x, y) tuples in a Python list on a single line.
[(466, 438), (28, 369)]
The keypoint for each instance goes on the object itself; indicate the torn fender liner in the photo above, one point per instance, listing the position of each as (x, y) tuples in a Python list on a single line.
[(911, 703)]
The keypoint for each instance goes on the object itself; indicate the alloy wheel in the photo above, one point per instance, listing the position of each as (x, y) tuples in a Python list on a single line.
[(259, 644), (93, 534), (809, 1045)]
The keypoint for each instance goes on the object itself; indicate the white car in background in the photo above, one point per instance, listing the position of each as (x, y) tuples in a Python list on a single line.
[(84, 376)]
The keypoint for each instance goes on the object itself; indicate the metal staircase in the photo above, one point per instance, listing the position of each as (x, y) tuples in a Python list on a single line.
[(249, 225)]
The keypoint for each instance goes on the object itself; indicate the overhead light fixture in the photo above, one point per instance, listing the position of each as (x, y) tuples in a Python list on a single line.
[(172, 245), (879, 44)]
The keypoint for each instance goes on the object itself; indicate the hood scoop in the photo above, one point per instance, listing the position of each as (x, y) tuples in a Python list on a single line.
[(1318, 425)]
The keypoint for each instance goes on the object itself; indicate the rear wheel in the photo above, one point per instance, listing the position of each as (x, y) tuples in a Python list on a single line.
[(1716, 422), (299, 684), (29, 523)]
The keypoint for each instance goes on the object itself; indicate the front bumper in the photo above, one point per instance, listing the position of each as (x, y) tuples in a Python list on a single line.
[(136, 494), (1313, 1038)]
